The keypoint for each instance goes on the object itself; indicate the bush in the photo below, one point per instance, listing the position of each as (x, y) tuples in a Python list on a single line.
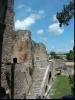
[(7, 74), (30, 71), (70, 55), (71, 79)]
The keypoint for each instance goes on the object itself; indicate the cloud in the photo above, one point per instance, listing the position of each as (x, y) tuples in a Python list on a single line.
[(27, 22), (72, 41), (29, 10), (55, 19), (41, 12), (21, 6), (40, 32), (54, 28), (24, 7)]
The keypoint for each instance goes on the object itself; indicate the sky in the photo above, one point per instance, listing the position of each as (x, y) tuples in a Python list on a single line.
[(39, 16)]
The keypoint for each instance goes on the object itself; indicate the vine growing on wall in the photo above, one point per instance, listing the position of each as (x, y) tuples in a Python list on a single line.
[(7, 74), (30, 71)]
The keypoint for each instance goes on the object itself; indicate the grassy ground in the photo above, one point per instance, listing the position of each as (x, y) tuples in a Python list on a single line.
[(60, 87)]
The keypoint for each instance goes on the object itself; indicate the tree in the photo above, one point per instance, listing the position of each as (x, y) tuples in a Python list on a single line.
[(53, 54), (66, 14), (70, 55)]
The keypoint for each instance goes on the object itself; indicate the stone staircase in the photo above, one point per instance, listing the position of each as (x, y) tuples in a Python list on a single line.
[(38, 76)]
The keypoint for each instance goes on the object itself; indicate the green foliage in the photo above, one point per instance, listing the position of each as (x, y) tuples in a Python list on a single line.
[(53, 54), (58, 57), (30, 71), (66, 14), (71, 79), (70, 55), (14, 36), (7, 74), (60, 87)]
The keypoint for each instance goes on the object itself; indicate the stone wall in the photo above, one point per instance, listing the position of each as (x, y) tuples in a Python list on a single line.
[(22, 51), (22, 47), (26, 51), (30, 56), (7, 41), (8, 34), (22, 81), (40, 55)]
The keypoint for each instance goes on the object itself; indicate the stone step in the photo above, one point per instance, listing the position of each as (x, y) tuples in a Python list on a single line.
[(39, 78), (37, 81), (40, 70), (38, 75), (32, 95), (36, 86)]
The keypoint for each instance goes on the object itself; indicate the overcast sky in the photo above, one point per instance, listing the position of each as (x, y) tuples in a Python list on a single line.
[(39, 16)]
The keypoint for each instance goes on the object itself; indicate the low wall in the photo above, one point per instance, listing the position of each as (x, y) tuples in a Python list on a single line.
[(69, 64), (46, 83), (22, 81)]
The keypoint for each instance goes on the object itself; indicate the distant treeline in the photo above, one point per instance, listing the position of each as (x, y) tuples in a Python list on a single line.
[(69, 56)]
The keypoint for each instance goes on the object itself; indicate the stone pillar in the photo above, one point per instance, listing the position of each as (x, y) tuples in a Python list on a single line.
[(8, 34), (7, 41)]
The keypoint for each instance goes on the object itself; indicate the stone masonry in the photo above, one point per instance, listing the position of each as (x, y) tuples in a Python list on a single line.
[(32, 71), (7, 40)]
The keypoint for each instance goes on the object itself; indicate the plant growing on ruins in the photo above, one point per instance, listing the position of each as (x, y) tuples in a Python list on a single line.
[(53, 54), (7, 74), (14, 37), (70, 55), (30, 71), (71, 79)]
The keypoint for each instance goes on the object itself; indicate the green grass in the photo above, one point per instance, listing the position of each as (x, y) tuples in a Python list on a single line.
[(60, 87)]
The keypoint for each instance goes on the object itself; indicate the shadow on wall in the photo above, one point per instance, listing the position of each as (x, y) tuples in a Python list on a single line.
[(3, 8)]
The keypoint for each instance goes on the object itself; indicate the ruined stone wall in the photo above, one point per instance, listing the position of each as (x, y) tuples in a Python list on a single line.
[(40, 52), (22, 47), (15, 45), (18, 44), (40, 55), (8, 34), (7, 42), (22, 81), (22, 51)]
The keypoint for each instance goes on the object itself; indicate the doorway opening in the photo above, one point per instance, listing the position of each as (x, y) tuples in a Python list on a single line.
[(14, 60), (49, 77)]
